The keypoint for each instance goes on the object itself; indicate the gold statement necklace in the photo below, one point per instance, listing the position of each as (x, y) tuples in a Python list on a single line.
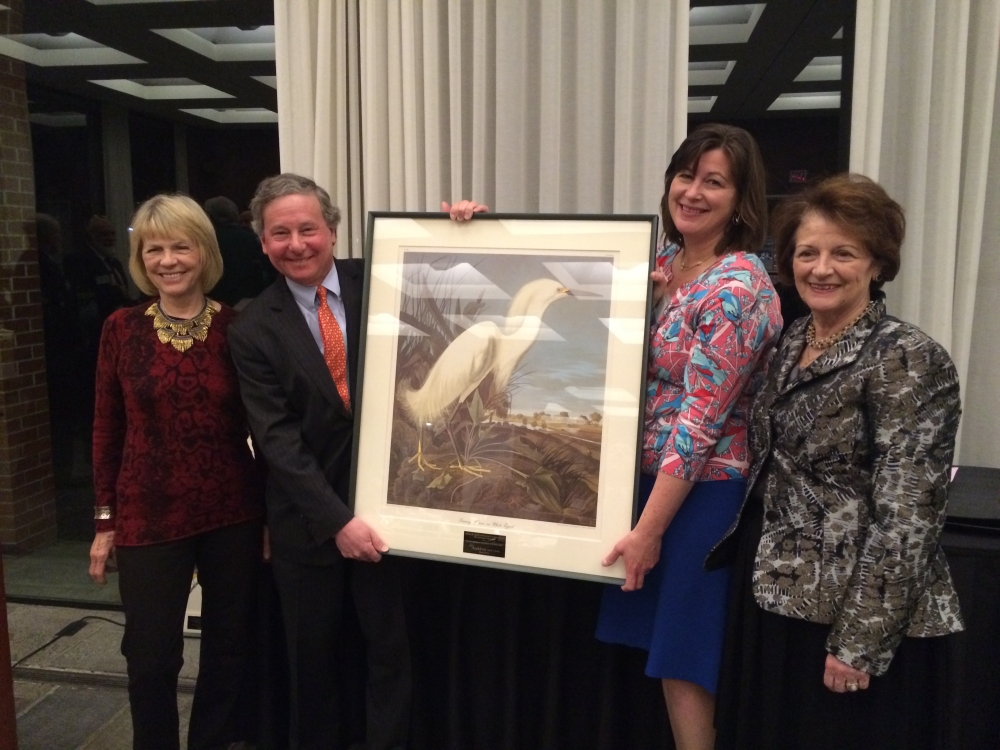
[(821, 344), (179, 333)]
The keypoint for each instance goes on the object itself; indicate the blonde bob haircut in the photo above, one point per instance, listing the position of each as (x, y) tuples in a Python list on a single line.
[(173, 216)]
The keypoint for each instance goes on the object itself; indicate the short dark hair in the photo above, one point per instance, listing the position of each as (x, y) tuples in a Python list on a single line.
[(222, 210), (280, 185), (859, 206), (747, 168)]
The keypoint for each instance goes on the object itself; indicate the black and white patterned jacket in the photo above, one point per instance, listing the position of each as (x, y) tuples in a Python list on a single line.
[(860, 446)]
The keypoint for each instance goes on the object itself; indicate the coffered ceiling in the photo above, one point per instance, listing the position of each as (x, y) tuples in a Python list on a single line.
[(212, 61)]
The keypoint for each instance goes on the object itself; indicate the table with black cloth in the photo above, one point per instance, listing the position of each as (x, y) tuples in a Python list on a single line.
[(507, 661)]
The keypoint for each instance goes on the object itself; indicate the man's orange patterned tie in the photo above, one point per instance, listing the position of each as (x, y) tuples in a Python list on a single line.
[(333, 347)]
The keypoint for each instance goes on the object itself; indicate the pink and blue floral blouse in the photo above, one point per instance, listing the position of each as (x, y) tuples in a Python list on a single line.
[(709, 347)]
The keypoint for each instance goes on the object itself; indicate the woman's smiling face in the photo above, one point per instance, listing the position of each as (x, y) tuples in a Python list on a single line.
[(173, 265), (702, 198), (833, 271)]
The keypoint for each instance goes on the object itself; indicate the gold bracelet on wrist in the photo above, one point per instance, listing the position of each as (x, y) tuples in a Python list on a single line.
[(103, 513)]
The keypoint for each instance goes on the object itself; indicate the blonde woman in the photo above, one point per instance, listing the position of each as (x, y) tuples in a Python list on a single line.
[(175, 482)]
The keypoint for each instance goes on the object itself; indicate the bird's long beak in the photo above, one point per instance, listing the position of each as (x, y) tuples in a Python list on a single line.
[(580, 294)]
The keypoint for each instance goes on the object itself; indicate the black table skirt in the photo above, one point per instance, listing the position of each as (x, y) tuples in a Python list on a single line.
[(508, 661)]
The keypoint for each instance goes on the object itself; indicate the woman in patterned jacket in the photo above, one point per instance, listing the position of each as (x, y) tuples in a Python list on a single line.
[(840, 581), (715, 322)]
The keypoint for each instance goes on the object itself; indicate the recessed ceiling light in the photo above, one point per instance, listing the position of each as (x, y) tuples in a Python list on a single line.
[(163, 91), (49, 50), (723, 24), (822, 69), (228, 44), (164, 81), (236, 34), (710, 73), (66, 40), (136, 2), (701, 103), (818, 100), (235, 116)]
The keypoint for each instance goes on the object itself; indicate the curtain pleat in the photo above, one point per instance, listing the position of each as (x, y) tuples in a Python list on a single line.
[(319, 135), (557, 106), (923, 126)]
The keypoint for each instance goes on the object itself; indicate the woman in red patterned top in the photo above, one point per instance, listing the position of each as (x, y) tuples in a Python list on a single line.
[(715, 322), (175, 481)]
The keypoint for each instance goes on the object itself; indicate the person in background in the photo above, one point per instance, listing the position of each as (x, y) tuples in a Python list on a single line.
[(96, 275), (99, 286), (176, 485), (59, 327), (246, 270), (246, 220), (840, 584), (715, 322)]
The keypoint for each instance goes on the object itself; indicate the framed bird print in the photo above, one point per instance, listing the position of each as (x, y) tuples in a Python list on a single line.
[(500, 393)]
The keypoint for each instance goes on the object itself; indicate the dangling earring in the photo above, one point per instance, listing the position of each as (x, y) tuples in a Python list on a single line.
[(737, 218)]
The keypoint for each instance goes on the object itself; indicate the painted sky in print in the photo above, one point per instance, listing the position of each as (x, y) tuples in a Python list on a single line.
[(569, 353)]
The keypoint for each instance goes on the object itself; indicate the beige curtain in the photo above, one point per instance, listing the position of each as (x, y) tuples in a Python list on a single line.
[(926, 125), (555, 106), (316, 56), (526, 105)]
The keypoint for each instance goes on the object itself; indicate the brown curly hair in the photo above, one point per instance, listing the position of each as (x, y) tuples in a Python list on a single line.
[(859, 206)]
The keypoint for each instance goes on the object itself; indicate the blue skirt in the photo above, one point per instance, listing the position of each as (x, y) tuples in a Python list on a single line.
[(679, 614)]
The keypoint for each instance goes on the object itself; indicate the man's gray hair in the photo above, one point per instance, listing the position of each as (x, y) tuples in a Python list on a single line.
[(280, 185)]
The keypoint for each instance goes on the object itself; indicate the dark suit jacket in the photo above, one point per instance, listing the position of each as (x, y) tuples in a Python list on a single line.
[(297, 418)]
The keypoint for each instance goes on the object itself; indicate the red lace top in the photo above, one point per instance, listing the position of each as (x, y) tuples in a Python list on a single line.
[(170, 434)]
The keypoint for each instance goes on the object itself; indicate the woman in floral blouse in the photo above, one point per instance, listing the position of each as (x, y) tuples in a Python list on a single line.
[(715, 321), (840, 581)]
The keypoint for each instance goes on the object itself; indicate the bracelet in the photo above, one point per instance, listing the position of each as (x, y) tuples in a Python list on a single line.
[(103, 513)]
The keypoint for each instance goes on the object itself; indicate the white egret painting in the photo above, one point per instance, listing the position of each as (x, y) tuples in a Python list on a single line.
[(500, 363)]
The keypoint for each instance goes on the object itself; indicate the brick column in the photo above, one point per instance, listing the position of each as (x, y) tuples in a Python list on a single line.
[(27, 500)]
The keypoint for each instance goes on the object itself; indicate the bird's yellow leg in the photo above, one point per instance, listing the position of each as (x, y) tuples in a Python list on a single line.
[(476, 471), (422, 464)]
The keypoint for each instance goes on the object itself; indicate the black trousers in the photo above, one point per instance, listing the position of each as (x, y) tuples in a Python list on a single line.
[(155, 582), (312, 601)]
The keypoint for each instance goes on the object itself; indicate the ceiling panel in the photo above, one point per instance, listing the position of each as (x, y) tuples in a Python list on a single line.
[(213, 60)]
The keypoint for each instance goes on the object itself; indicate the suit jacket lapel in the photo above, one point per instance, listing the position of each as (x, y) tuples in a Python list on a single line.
[(293, 329)]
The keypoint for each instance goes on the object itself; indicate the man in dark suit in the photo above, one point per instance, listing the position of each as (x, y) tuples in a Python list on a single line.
[(297, 383)]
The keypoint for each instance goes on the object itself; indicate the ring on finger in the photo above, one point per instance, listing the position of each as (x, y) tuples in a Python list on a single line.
[(851, 686)]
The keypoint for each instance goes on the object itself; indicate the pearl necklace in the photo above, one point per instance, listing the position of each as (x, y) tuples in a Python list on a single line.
[(181, 334), (821, 344)]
